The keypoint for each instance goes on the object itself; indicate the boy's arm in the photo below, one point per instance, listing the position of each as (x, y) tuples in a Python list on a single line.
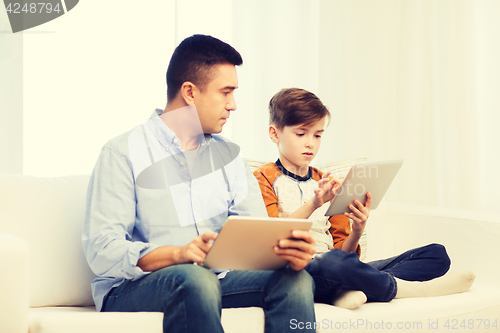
[(344, 236), (325, 192), (267, 191), (341, 232), (298, 252)]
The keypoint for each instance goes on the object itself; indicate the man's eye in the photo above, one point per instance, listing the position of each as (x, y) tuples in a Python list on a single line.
[(318, 136), (226, 93)]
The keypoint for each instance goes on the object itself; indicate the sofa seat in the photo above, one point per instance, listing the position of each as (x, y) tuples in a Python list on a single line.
[(442, 313), (85, 319), (77, 319), (416, 314), (46, 288)]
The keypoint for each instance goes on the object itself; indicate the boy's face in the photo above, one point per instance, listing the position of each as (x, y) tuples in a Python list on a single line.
[(298, 145), (216, 99)]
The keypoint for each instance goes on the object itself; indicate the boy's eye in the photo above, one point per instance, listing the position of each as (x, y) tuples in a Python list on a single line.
[(318, 136), (300, 134)]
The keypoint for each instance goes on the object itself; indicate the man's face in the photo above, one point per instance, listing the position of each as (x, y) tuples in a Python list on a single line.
[(216, 100), (298, 145)]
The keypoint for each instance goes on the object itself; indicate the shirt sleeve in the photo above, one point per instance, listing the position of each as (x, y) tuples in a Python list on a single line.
[(110, 219), (267, 192), (247, 200), (340, 229)]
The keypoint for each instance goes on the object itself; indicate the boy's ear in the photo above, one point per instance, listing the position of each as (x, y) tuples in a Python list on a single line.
[(273, 134), (187, 92)]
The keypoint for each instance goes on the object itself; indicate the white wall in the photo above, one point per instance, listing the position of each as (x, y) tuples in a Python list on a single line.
[(11, 98), (415, 79), (89, 76)]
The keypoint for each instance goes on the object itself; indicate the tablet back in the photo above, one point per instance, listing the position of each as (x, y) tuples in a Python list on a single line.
[(246, 243), (373, 177)]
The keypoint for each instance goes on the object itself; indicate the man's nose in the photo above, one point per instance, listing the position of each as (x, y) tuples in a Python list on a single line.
[(231, 105)]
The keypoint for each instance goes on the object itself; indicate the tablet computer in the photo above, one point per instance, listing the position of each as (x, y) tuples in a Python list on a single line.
[(247, 243), (373, 177)]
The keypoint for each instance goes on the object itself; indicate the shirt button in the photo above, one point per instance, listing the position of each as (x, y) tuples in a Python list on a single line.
[(176, 141), (182, 162)]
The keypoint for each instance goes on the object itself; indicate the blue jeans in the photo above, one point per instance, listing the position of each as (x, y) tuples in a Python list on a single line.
[(191, 297), (338, 270)]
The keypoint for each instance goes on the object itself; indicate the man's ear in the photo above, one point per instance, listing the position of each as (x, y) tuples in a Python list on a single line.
[(187, 92), (273, 134)]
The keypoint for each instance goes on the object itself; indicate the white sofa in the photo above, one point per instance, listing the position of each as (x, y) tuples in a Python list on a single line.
[(45, 280)]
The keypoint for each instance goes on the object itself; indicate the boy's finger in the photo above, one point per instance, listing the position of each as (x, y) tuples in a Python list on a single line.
[(327, 174), (368, 200), (357, 212)]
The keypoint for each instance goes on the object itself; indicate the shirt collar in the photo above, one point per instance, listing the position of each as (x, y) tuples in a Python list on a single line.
[(280, 166), (165, 135)]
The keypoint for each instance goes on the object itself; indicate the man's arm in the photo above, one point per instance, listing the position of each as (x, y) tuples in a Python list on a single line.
[(110, 219), (165, 256)]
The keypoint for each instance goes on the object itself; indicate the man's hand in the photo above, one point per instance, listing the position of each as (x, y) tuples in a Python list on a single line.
[(165, 256), (328, 187), (196, 250), (297, 251), (359, 214)]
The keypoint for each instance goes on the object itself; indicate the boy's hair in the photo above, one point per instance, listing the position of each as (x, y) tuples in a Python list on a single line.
[(294, 106), (193, 60)]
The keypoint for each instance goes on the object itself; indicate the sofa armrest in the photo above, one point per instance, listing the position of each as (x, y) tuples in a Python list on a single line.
[(14, 284), (470, 238)]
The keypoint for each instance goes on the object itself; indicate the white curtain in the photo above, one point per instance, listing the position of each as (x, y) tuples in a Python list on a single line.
[(419, 80), (411, 79)]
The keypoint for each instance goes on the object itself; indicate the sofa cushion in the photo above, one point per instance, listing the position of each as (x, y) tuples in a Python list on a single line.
[(14, 298), (86, 319), (430, 314), (472, 310), (48, 214)]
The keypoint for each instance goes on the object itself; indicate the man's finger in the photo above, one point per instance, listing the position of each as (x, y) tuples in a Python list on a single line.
[(208, 236)]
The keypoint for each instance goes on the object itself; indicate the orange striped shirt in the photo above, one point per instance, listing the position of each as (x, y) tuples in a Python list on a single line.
[(281, 203)]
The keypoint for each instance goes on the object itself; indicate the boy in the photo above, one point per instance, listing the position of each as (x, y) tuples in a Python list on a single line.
[(291, 188)]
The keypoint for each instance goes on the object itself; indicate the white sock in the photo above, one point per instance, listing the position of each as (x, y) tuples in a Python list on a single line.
[(450, 283), (349, 299)]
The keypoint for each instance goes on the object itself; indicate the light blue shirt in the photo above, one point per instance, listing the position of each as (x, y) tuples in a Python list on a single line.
[(142, 195)]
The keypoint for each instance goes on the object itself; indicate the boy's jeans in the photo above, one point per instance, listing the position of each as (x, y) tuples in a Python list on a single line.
[(337, 270), (191, 297)]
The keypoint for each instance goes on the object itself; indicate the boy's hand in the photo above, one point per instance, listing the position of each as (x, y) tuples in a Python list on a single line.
[(297, 251), (328, 187), (360, 214)]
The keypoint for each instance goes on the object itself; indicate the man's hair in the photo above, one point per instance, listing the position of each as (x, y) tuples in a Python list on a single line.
[(193, 60), (294, 106)]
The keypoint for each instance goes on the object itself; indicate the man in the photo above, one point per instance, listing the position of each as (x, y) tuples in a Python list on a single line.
[(160, 193)]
